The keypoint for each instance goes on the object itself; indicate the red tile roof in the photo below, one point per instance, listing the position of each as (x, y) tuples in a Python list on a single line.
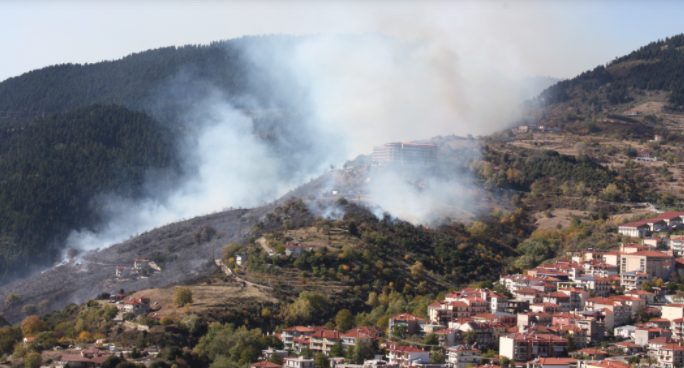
[(649, 253), (556, 361), (265, 364), (362, 333), (407, 317), (326, 334), (405, 349)]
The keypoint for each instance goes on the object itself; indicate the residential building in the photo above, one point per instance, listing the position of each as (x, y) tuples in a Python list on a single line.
[(672, 312), (670, 356), (298, 362), (524, 347), (407, 321), (359, 334), (134, 305), (462, 356), (323, 340), (552, 363), (651, 262), (290, 334), (406, 356)]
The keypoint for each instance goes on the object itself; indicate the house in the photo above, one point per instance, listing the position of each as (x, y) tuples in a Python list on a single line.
[(406, 356), (136, 306), (672, 312), (663, 222), (293, 249), (552, 363), (593, 353), (633, 280), (670, 356), (628, 347), (122, 272), (676, 244), (265, 364), (463, 356), (621, 312), (562, 300), (240, 259), (482, 331), (141, 265), (636, 229), (524, 347), (602, 364), (446, 336), (323, 340), (647, 296), (406, 321), (298, 362), (359, 334), (85, 358), (290, 335), (526, 320), (643, 335), (624, 332), (269, 353), (677, 327)]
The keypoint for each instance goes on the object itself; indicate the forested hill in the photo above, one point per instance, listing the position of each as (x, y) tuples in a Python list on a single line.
[(52, 169), (73, 132), (658, 66)]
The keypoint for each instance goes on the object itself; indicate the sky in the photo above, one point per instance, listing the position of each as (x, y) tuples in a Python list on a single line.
[(551, 38)]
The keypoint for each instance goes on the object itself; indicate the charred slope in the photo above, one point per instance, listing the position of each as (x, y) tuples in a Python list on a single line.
[(183, 251)]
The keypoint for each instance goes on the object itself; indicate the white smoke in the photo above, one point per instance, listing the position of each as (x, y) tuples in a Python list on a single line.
[(350, 93)]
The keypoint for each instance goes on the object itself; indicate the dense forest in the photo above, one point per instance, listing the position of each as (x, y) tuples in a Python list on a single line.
[(51, 170), (132, 81), (656, 66)]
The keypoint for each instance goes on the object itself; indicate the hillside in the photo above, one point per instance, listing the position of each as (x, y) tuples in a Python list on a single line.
[(52, 170), (74, 133), (654, 67), (638, 95)]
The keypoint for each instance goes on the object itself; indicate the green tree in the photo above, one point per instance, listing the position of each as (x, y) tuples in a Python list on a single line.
[(32, 360), (182, 296), (239, 345), (344, 320), (9, 336), (309, 307), (431, 339), (321, 361), (337, 350)]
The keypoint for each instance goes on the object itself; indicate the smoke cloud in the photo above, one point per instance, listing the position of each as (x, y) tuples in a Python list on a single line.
[(319, 101)]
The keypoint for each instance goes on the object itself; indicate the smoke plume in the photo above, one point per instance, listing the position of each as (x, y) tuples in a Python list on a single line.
[(317, 101)]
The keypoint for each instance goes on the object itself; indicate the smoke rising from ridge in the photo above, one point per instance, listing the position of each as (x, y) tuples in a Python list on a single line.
[(318, 101)]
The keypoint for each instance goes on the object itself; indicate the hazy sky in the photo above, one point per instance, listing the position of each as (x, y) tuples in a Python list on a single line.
[(552, 38)]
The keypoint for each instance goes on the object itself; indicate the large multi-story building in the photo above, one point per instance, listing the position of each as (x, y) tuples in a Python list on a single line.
[(651, 262), (524, 347), (405, 153)]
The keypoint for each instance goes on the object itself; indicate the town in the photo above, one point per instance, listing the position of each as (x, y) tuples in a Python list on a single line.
[(588, 309)]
